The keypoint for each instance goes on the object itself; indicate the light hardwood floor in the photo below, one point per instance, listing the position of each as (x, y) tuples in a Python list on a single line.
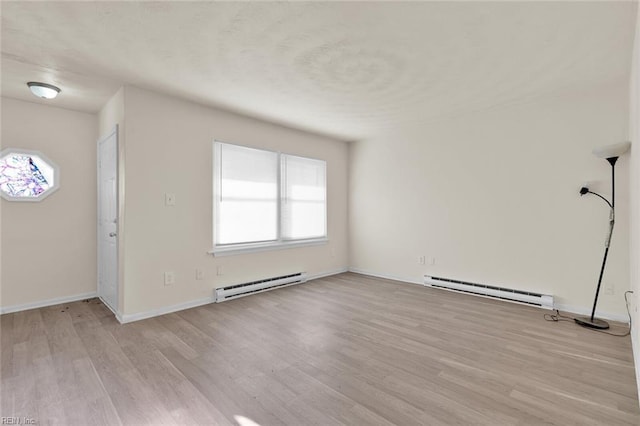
[(347, 349)]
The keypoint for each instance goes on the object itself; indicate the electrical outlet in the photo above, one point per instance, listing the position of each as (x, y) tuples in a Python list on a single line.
[(219, 270), (421, 260), (432, 261), (169, 278), (199, 274)]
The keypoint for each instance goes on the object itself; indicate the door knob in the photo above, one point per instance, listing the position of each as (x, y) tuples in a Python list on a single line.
[(112, 234)]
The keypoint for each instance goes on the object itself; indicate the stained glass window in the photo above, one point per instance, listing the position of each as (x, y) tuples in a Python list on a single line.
[(26, 175)]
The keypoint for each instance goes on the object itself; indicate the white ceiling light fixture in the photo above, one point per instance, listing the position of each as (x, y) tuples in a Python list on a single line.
[(43, 90)]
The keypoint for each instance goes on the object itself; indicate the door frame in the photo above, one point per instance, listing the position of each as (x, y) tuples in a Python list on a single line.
[(114, 132)]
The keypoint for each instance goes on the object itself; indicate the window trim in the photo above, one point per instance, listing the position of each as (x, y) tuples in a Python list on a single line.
[(260, 246)]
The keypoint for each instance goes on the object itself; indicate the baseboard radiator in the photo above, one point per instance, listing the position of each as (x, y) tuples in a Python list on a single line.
[(253, 287), (517, 296)]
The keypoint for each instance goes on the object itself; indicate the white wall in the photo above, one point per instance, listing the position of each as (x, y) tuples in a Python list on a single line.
[(169, 149), (634, 136), (112, 114), (493, 197), (49, 247)]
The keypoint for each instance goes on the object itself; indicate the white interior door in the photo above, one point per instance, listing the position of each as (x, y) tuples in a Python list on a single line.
[(108, 220)]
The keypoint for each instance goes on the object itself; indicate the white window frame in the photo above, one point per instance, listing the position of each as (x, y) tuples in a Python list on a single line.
[(277, 244)]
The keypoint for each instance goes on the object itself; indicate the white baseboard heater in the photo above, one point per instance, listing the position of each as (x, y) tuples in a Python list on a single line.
[(517, 296), (245, 289)]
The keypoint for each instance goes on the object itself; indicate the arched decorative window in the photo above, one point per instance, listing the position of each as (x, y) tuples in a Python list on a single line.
[(27, 175)]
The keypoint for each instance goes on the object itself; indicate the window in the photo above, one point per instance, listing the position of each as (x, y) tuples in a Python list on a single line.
[(303, 197), (265, 200), (26, 175)]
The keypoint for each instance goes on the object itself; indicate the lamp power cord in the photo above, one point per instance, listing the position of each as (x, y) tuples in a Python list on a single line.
[(557, 317)]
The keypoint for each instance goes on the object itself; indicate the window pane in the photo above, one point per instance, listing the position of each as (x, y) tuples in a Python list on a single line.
[(248, 190), (247, 221), (305, 220), (304, 198), (246, 195)]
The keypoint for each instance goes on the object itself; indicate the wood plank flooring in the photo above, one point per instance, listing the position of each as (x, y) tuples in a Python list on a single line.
[(347, 349)]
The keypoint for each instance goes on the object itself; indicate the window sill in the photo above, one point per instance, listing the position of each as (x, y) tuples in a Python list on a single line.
[(254, 248)]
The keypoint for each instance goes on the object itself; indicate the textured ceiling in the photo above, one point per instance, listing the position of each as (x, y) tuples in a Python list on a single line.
[(342, 69)]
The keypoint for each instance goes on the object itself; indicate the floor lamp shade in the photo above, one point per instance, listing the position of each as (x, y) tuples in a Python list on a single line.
[(609, 151)]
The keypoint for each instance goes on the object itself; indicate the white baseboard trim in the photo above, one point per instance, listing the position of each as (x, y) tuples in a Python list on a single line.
[(584, 310), (326, 274), (48, 302), (117, 314), (386, 277), (125, 318)]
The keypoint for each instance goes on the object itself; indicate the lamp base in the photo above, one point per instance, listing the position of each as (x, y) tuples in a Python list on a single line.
[(592, 323)]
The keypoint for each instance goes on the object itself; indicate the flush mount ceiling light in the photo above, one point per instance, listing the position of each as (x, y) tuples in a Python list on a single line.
[(43, 90)]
